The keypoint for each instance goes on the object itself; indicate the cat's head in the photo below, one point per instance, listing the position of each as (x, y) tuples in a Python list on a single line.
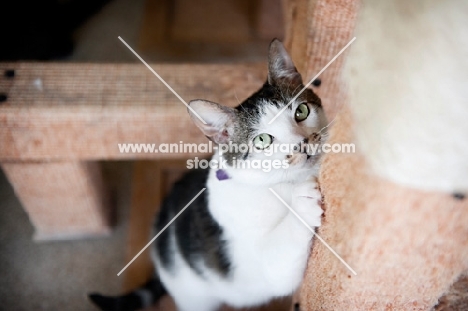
[(289, 139)]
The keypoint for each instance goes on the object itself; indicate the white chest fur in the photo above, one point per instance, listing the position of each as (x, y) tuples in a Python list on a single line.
[(268, 247), (266, 244)]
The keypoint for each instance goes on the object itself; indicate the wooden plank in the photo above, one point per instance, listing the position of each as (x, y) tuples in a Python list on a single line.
[(203, 22), (64, 200), (152, 180), (82, 111), (270, 20), (154, 28), (297, 28)]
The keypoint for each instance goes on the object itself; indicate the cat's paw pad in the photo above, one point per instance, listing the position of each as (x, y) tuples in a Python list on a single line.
[(306, 202)]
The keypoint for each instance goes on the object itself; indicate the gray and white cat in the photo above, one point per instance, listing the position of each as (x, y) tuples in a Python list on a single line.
[(237, 243)]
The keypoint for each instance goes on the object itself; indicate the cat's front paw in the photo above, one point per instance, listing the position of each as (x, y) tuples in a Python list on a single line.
[(307, 203)]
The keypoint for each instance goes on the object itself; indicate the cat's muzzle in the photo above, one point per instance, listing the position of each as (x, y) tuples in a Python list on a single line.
[(310, 147)]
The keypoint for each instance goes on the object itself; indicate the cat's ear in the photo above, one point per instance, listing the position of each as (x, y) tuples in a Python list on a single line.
[(215, 121), (281, 69)]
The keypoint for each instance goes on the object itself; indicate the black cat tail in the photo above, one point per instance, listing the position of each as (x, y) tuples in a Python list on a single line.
[(140, 298)]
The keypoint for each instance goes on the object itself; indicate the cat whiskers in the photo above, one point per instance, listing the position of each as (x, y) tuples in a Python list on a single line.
[(326, 126), (235, 94)]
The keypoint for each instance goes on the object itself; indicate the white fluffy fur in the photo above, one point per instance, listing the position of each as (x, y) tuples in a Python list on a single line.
[(267, 245), (408, 76)]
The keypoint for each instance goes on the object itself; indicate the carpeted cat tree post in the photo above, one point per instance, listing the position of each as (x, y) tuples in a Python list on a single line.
[(395, 210)]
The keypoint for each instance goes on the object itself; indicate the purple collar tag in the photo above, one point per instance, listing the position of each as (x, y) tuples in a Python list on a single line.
[(222, 175)]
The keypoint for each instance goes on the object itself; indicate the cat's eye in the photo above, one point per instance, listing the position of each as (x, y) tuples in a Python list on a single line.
[(302, 112), (262, 141)]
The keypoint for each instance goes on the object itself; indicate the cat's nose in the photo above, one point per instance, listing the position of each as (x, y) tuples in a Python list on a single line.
[(303, 145)]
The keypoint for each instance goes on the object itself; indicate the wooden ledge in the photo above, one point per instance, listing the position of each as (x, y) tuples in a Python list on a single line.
[(58, 111)]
